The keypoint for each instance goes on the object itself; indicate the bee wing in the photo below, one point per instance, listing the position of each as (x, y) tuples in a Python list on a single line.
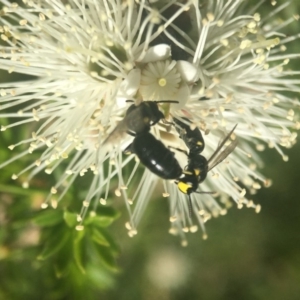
[(117, 134), (222, 155), (131, 119), (218, 156)]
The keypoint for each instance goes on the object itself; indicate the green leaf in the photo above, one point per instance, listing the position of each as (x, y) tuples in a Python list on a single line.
[(54, 243), (100, 277), (48, 218), (78, 235), (100, 221), (78, 253), (64, 259), (15, 189), (112, 244), (107, 258), (70, 219), (62, 268), (108, 212), (99, 238)]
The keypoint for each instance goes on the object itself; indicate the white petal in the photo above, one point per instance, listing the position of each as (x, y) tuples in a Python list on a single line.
[(130, 85), (188, 71), (155, 53), (182, 96)]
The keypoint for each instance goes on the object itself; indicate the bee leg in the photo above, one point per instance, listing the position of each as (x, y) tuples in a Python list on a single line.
[(131, 133), (129, 150), (154, 119), (179, 150), (190, 206), (167, 122)]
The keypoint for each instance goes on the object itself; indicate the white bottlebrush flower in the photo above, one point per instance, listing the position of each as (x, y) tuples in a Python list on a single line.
[(222, 61)]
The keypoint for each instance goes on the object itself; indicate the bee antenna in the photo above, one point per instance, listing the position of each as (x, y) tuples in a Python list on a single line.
[(167, 101), (160, 101), (190, 205)]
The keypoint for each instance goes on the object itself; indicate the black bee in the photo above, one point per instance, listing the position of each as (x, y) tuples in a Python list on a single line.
[(198, 166), (155, 156), (160, 160), (138, 119), (192, 137)]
